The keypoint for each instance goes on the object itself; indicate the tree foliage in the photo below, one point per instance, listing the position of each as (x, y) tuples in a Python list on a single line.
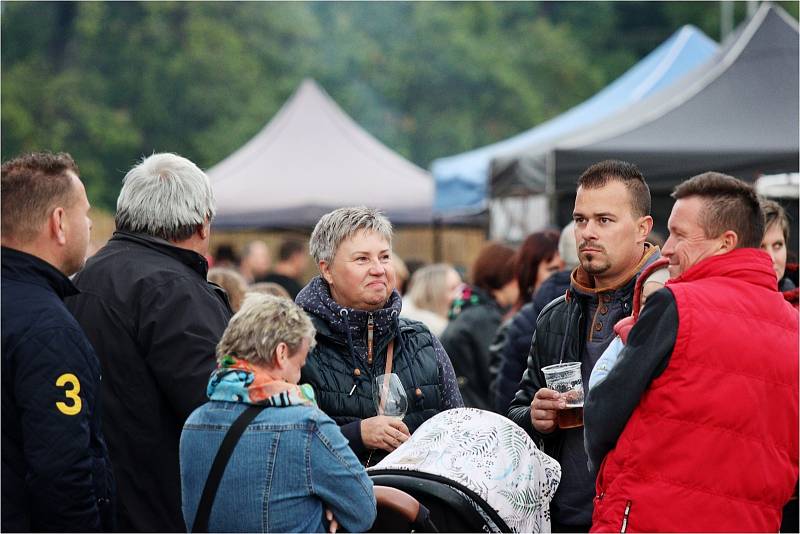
[(113, 81)]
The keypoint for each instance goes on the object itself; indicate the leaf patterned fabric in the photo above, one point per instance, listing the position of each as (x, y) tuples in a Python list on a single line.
[(488, 454)]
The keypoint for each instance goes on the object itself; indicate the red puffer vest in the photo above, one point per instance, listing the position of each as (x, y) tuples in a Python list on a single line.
[(713, 444)]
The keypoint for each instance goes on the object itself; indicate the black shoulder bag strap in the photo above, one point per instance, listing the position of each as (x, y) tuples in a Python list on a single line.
[(218, 467)]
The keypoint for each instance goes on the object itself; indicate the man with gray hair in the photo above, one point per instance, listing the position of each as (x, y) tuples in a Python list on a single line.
[(154, 322)]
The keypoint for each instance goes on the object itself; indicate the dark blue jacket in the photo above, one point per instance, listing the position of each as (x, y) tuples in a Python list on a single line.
[(56, 473), (509, 352)]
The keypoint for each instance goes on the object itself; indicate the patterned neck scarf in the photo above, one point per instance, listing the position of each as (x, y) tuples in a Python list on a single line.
[(236, 380), (470, 296)]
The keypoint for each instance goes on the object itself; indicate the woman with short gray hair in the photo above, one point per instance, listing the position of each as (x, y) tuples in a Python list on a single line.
[(360, 336), (291, 470)]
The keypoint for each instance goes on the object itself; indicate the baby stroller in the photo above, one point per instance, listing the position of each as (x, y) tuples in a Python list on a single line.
[(465, 470)]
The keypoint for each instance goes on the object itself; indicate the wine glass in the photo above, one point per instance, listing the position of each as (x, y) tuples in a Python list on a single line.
[(389, 396)]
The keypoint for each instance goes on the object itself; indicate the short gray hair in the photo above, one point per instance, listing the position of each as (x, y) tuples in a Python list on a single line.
[(342, 224), (165, 196), (262, 323)]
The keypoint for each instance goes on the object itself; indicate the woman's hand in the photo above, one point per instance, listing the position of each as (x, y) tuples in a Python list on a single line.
[(333, 525), (382, 432)]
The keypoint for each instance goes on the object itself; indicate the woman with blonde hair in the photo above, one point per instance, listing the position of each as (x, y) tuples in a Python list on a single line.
[(291, 469), (232, 282), (432, 289)]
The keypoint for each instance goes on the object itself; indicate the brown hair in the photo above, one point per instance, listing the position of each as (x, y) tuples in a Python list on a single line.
[(537, 247), (289, 248), (775, 214), (731, 204), (494, 266), (599, 174), (32, 186)]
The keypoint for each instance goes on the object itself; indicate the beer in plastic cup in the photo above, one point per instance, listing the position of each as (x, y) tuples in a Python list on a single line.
[(565, 378)]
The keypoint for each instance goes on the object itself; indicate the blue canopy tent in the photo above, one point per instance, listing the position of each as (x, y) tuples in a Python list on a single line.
[(461, 180)]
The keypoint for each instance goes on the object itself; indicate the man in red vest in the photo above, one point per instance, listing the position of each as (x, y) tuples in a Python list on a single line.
[(696, 427)]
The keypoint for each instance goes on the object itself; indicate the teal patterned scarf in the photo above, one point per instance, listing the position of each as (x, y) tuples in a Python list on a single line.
[(236, 380)]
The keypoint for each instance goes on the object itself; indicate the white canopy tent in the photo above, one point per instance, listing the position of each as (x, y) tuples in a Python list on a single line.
[(310, 159)]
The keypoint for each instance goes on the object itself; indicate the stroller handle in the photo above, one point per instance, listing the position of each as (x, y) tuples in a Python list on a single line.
[(407, 507)]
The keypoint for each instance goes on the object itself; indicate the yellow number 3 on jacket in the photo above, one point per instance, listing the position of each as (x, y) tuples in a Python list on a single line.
[(71, 393)]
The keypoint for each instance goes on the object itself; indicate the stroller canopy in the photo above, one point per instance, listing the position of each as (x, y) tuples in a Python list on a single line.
[(489, 455)]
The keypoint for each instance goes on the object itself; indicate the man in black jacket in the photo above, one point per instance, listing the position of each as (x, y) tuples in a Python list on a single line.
[(56, 475), (612, 220), (154, 321)]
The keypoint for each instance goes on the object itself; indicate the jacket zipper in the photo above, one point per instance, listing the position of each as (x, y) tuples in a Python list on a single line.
[(625, 517), (370, 333)]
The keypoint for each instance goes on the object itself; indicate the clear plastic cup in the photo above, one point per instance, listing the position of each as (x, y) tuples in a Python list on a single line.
[(565, 378)]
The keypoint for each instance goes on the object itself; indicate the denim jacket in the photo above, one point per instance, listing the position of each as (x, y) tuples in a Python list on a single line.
[(290, 464)]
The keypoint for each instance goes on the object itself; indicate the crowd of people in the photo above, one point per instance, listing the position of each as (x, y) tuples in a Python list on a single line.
[(144, 391)]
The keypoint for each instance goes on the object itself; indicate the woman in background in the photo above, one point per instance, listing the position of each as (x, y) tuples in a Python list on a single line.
[(537, 259), (475, 317), (431, 291), (232, 282), (775, 241)]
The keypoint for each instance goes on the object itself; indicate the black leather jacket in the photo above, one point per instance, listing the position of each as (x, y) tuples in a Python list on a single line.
[(561, 337)]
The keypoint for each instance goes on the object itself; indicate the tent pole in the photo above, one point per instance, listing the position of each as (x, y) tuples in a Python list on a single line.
[(725, 19), (550, 187), (437, 239)]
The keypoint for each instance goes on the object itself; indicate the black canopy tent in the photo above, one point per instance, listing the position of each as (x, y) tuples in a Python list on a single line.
[(736, 114)]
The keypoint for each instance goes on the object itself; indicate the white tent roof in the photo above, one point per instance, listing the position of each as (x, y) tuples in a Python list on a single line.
[(310, 159)]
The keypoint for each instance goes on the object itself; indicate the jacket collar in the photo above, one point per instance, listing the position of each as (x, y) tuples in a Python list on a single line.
[(751, 265), (190, 258), (316, 299), (24, 267), (583, 283)]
